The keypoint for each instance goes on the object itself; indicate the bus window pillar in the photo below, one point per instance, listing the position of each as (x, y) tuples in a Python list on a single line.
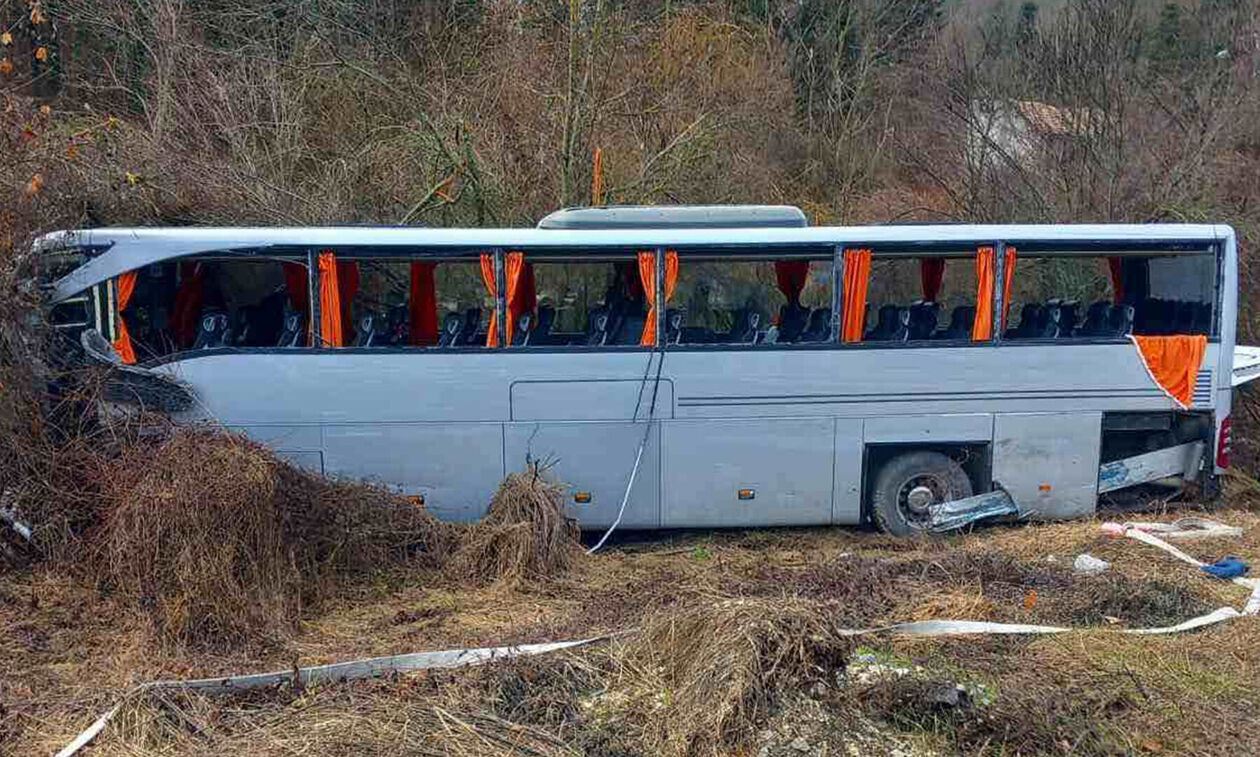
[(999, 276), (316, 337), (500, 297), (837, 292), (661, 304)]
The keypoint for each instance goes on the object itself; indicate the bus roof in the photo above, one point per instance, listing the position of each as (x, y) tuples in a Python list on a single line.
[(677, 217), (114, 251)]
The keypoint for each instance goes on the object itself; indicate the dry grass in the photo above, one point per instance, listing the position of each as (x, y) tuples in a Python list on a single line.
[(525, 533), (701, 678), (735, 627), (222, 543)]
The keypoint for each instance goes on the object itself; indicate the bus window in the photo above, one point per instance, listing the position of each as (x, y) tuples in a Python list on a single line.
[(581, 302), (911, 299), (782, 301), (1099, 297), (1180, 293), (421, 302), (207, 303)]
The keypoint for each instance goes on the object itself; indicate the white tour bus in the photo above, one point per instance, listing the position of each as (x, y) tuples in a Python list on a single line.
[(689, 366)]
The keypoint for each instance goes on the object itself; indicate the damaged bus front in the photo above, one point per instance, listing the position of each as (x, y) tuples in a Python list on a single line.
[(691, 366)]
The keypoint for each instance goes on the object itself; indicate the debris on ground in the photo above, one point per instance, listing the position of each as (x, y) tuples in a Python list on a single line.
[(1089, 565), (1226, 568)]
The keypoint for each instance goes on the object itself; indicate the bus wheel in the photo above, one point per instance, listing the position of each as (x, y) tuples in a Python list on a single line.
[(907, 485)]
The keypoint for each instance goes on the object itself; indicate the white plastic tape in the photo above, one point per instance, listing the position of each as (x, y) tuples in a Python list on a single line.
[(342, 671)]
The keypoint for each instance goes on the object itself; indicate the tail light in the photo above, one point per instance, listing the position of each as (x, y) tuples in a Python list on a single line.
[(1222, 444)]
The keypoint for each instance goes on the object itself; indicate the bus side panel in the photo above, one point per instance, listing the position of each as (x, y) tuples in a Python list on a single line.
[(301, 445), (756, 472), (846, 498), (595, 459), (1048, 462), (455, 466)]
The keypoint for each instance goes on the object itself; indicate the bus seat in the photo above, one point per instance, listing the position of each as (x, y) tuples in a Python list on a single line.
[(629, 330), (368, 334), (399, 327), (214, 330), (1066, 318), (239, 321), (468, 334), (793, 319), (819, 328), (1030, 317), (885, 324), (675, 319), (747, 327), (960, 321), (597, 326), (542, 328), (1120, 320), (1051, 320), (293, 333), (524, 330), (923, 318), (1095, 320), (265, 321), (452, 325)]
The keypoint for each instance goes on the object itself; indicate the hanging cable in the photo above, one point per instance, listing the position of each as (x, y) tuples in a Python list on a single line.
[(647, 429)]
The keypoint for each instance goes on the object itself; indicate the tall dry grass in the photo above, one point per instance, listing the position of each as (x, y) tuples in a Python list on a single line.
[(221, 543)]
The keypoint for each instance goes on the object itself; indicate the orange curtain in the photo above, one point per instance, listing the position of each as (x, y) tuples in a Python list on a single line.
[(1173, 363), (1008, 272), (931, 274), (126, 288), (982, 327), (513, 273), (647, 273), (791, 276), (422, 305), (330, 307), (487, 278), (1117, 279), (187, 307), (857, 277)]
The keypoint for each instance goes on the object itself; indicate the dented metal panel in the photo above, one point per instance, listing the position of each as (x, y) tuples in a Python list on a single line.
[(1048, 462), (1181, 460)]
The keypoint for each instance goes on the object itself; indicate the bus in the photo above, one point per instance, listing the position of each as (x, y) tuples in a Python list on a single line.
[(689, 366)]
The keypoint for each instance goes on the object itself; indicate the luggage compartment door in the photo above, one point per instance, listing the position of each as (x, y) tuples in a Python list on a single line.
[(594, 460), (1048, 462), (755, 472)]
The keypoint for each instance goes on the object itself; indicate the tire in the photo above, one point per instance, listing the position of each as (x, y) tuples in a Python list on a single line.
[(944, 478)]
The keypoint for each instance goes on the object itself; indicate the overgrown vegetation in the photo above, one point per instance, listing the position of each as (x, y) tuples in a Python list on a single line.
[(222, 543), (481, 112)]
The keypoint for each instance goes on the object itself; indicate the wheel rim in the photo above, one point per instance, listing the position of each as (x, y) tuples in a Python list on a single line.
[(917, 494)]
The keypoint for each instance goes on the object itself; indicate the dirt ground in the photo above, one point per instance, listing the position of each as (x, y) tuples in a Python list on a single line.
[(70, 650)]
